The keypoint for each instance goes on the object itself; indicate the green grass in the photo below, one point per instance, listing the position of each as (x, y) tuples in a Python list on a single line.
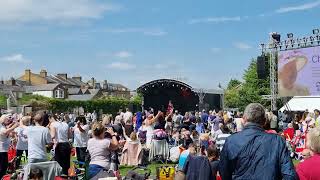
[(153, 167)]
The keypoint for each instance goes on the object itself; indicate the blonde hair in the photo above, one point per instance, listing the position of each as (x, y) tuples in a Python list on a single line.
[(133, 136), (26, 120), (313, 142), (97, 129)]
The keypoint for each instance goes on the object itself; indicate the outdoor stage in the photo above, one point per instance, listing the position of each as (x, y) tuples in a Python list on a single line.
[(158, 93)]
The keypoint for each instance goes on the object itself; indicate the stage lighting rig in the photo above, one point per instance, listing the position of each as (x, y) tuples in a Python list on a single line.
[(290, 35), (315, 31)]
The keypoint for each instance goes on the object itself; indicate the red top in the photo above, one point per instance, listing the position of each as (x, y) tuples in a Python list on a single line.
[(289, 132), (310, 168)]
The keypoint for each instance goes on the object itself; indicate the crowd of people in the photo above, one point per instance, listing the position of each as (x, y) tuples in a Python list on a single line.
[(254, 144)]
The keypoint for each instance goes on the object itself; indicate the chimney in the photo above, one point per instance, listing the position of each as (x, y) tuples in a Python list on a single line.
[(27, 76), (93, 83), (12, 82), (43, 73), (63, 76), (105, 84), (77, 78)]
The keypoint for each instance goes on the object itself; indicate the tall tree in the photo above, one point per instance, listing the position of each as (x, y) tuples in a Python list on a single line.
[(253, 88), (231, 96)]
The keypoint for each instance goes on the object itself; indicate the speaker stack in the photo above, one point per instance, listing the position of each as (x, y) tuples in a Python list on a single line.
[(262, 67)]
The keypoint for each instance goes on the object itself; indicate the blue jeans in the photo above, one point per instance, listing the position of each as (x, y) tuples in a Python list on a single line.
[(94, 170)]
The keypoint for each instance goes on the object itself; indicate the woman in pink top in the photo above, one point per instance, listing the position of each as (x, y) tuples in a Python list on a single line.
[(309, 169)]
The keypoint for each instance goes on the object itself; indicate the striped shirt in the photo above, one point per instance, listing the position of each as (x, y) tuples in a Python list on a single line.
[(221, 139)]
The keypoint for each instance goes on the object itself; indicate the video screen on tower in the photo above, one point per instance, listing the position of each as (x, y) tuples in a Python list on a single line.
[(299, 72)]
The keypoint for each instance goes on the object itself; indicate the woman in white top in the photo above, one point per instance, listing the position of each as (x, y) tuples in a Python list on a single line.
[(149, 127), (81, 138), (99, 149), (22, 138), (6, 127), (60, 134)]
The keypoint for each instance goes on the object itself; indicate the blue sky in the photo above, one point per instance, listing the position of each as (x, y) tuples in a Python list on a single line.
[(131, 42)]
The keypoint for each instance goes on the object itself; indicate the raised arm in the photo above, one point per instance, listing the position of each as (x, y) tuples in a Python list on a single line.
[(114, 144)]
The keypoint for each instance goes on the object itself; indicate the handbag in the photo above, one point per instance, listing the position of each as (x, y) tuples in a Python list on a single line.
[(179, 175)]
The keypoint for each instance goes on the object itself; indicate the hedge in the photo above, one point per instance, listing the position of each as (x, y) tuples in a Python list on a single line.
[(110, 106)]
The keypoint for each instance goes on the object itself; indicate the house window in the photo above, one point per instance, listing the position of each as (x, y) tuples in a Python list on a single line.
[(59, 93)]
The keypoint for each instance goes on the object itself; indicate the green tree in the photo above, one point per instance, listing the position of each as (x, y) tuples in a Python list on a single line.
[(231, 96), (253, 88), (233, 83), (3, 101)]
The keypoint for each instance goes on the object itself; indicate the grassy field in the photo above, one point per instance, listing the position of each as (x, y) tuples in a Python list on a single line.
[(153, 167)]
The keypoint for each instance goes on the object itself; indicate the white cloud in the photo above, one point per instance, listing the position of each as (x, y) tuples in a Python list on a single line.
[(15, 58), (145, 31), (241, 45), (215, 50), (121, 66), (23, 11), (301, 7), (123, 54), (214, 20)]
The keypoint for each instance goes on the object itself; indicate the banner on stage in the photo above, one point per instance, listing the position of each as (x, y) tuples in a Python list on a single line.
[(299, 72)]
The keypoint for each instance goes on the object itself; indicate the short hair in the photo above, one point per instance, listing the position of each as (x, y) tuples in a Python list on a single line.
[(212, 151), (97, 129), (313, 142), (35, 173), (26, 120), (38, 117), (255, 113)]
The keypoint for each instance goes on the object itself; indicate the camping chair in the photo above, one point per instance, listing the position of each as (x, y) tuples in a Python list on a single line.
[(159, 150), (50, 169)]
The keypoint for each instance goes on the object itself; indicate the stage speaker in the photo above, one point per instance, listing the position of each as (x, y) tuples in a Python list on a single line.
[(262, 67)]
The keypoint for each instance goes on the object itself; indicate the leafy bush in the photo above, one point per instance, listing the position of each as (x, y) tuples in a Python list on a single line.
[(3, 101), (109, 105)]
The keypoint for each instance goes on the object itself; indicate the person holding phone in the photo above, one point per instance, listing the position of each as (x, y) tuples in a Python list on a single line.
[(100, 147), (81, 137), (7, 125)]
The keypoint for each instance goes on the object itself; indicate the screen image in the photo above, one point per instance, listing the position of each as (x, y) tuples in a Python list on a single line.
[(299, 72)]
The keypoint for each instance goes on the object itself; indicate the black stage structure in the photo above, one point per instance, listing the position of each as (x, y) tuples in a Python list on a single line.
[(158, 93)]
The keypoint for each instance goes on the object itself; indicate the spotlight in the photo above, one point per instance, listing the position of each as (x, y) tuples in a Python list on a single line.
[(311, 39), (275, 36), (315, 31), (290, 35)]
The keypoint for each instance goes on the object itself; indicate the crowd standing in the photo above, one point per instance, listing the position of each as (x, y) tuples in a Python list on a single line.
[(254, 144)]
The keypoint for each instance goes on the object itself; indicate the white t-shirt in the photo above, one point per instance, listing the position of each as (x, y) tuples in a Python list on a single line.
[(62, 130), (99, 151), (81, 138), (38, 137), (22, 143), (4, 140)]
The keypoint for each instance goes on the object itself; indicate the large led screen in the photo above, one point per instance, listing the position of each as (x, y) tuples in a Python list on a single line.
[(299, 72)]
